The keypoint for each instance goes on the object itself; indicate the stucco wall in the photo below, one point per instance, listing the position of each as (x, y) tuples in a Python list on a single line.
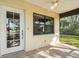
[(31, 41)]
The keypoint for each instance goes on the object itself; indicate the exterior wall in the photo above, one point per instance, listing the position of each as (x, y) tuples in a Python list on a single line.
[(31, 41)]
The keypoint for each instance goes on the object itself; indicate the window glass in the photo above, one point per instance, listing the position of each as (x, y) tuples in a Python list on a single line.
[(42, 24), (13, 29), (9, 14), (16, 16)]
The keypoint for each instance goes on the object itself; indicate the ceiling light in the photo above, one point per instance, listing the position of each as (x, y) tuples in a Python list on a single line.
[(52, 7), (54, 4)]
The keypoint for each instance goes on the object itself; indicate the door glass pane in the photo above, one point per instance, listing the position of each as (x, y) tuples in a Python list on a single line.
[(9, 14), (16, 16), (13, 29)]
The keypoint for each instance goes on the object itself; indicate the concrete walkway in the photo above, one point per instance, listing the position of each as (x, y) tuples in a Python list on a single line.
[(58, 51)]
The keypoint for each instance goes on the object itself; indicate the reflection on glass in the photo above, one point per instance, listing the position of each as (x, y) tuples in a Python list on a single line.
[(42, 24), (9, 43), (16, 42), (48, 23), (16, 16), (48, 29), (41, 28), (13, 29), (37, 22), (9, 14)]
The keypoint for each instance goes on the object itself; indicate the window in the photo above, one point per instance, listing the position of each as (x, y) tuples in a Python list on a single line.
[(13, 29), (42, 24)]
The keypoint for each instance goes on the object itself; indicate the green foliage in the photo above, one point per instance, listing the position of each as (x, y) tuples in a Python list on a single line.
[(69, 25), (70, 39)]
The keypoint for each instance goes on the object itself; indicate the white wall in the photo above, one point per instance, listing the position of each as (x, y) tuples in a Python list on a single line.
[(31, 41), (37, 41)]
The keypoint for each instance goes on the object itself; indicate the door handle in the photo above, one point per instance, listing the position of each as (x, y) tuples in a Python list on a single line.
[(22, 34)]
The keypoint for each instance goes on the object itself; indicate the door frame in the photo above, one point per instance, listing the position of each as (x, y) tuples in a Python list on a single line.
[(3, 34)]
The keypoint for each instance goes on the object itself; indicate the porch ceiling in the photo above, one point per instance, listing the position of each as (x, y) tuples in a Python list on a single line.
[(64, 5)]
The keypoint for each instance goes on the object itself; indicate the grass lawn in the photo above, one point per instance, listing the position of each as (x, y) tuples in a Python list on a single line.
[(70, 39)]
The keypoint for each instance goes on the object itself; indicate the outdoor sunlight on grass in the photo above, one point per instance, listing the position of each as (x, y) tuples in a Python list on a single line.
[(70, 39)]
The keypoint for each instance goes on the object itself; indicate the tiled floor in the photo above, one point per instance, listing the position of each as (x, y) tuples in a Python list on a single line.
[(60, 51)]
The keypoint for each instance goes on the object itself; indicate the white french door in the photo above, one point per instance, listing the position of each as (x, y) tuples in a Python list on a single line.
[(11, 30)]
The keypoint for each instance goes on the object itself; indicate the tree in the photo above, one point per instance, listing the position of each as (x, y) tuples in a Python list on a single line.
[(69, 25)]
